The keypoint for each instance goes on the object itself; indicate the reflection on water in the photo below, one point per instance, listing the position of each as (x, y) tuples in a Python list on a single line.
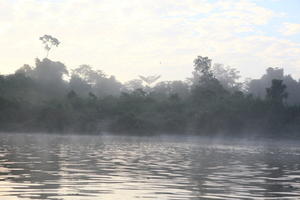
[(91, 167)]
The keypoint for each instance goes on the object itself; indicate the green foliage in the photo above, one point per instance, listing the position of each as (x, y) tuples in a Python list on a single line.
[(44, 98), (227, 76), (203, 67), (85, 79), (276, 93)]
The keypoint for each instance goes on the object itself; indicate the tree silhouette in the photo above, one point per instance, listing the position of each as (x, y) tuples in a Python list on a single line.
[(203, 65), (49, 42), (276, 93)]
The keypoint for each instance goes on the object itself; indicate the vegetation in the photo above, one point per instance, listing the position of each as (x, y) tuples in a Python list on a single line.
[(49, 42), (49, 98)]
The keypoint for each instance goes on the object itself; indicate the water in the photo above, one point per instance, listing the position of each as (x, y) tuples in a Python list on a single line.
[(94, 167)]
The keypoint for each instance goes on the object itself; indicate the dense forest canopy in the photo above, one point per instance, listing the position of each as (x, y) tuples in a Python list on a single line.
[(48, 97)]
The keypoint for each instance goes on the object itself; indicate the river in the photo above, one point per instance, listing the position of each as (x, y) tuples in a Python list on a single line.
[(129, 167)]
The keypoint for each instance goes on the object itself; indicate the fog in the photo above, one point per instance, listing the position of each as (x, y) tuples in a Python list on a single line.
[(258, 87), (147, 100), (48, 97), (130, 167)]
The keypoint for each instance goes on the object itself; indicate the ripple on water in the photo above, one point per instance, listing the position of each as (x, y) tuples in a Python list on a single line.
[(91, 167)]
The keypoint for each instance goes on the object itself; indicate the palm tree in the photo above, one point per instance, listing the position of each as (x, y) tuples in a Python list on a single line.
[(149, 79)]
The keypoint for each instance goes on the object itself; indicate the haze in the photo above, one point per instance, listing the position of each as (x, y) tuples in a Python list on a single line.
[(130, 38), (144, 99)]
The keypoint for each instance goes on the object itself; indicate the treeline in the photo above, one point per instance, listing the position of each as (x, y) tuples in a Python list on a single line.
[(49, 98)]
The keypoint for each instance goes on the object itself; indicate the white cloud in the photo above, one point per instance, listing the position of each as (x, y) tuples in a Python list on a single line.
[(290, 29), (128, 38)]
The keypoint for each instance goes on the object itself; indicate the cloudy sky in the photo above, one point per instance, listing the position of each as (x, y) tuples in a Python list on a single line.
[(145, 37)]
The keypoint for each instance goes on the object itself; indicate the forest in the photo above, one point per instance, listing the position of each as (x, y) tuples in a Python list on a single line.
[(50, 98)]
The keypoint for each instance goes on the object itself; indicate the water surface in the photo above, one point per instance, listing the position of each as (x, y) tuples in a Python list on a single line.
[(105, 167)]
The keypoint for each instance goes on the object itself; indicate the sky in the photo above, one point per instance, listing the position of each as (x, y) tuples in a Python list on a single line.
[(147, 37)]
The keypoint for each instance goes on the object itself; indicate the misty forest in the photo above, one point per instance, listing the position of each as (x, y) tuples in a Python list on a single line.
[(154, 100), (49, 97)]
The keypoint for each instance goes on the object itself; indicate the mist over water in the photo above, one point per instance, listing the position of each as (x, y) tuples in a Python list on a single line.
[(128, 100), (107, 167)]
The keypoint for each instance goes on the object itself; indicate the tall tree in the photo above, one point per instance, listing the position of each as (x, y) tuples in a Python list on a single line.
[(49, 42), (227, 76), (276, 93), (202, 66)]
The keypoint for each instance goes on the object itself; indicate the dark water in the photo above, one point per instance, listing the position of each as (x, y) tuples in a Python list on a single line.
[(91, 167)]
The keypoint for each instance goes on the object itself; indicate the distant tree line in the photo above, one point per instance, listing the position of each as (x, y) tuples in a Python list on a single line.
[(50, 98)]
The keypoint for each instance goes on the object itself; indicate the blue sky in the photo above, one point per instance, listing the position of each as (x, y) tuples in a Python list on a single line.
[(145, 37), (291, 13)]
